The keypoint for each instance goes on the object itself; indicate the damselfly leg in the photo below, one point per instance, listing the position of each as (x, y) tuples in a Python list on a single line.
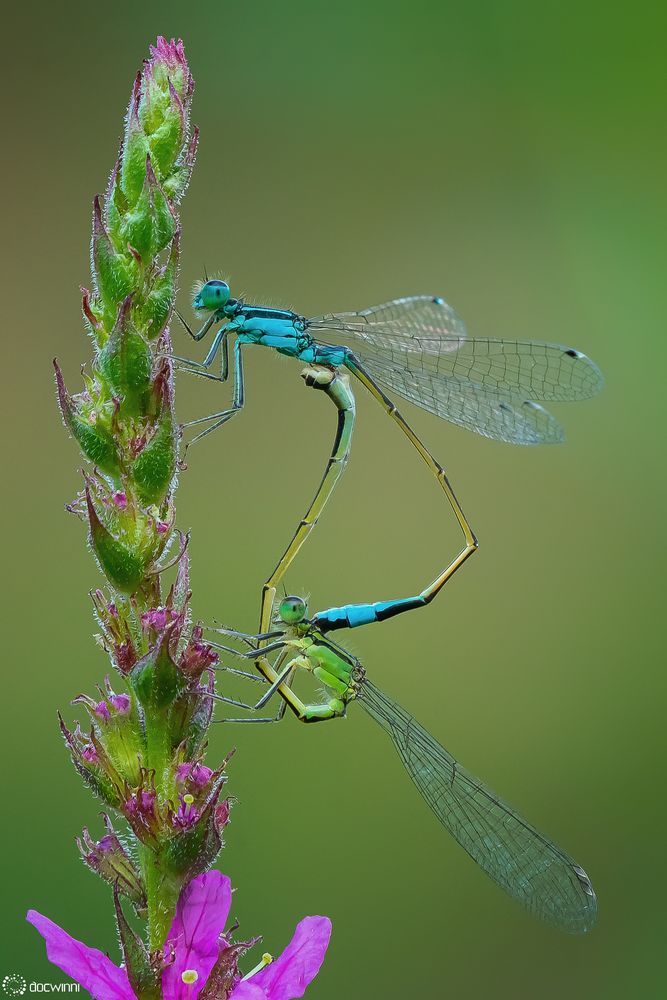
[(238, 401)]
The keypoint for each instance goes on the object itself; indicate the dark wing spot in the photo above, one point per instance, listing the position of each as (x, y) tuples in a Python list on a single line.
[(571, 353), (584, 879)]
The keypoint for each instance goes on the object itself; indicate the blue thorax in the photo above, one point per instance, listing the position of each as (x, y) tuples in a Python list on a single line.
[(281, 329)]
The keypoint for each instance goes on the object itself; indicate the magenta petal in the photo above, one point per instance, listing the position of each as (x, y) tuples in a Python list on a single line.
[(87, 966), (200, 919), (290, 974), (246, 991)]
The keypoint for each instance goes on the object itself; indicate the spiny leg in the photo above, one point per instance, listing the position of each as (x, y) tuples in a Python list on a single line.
[(205, 327), (200, 368), (317, 712), (250, 654), (268, 671), (281, 683), (223, 416), (284, 679), (252, 718), (281, 676), (280, 714), (257, 678), (249, 640)]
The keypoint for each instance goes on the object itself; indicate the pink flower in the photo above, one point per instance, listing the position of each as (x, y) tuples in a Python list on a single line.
[(158, 618), (168, 62), (197, 655), (198, 774), (121, 703), (196, 941)]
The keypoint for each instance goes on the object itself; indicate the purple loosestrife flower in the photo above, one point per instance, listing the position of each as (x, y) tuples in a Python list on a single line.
[(123, 420), (198, 960), (143, 751), (196, 774), (197, 655)]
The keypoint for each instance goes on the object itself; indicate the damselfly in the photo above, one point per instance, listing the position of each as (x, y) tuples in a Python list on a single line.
[(520, 859), (417, 347)]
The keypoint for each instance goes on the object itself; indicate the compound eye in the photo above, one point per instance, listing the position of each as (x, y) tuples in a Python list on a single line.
[(213, 295), (292, 610)]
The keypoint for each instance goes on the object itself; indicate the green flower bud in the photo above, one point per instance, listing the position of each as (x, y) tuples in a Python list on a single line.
[(165, 142), (93, 765), (125, 362), (155, 678), (165, 222), (135, 149), (150, 225), (191, 717), (109, 859), (144, 976), (116, 275), (154, 310), (116, 723), (153, 470), (94, 438), (135, 228), (123, 565), (175, 185)]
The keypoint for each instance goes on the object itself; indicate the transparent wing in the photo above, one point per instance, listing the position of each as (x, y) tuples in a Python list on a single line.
[(516, 856), (494, 415), (414, 316), (425, 336)]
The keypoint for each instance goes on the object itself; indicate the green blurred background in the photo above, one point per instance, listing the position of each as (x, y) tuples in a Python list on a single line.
[(510, 157)]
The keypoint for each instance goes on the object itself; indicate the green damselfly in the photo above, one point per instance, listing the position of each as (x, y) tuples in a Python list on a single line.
[(519, 858)]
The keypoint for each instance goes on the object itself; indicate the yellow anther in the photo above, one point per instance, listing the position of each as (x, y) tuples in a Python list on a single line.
[(189, 976), (188, 799), (266, 960)]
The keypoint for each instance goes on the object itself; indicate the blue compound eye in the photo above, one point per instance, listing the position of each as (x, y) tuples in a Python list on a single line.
[(213, 295)]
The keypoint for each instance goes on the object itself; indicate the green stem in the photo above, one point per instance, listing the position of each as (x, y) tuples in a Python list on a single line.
[(162, 896), (158, 747), (161, 890)]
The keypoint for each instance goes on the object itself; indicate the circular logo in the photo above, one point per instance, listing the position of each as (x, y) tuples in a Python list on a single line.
[(14, 985)]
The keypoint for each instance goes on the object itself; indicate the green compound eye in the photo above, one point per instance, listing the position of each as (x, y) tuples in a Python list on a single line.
[(213, 295), (292, 610)]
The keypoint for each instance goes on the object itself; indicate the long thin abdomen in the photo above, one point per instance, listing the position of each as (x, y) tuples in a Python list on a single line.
[(354, 615)]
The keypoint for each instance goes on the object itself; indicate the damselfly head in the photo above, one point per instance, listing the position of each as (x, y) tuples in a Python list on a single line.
[(210, 295), (292, 610)]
